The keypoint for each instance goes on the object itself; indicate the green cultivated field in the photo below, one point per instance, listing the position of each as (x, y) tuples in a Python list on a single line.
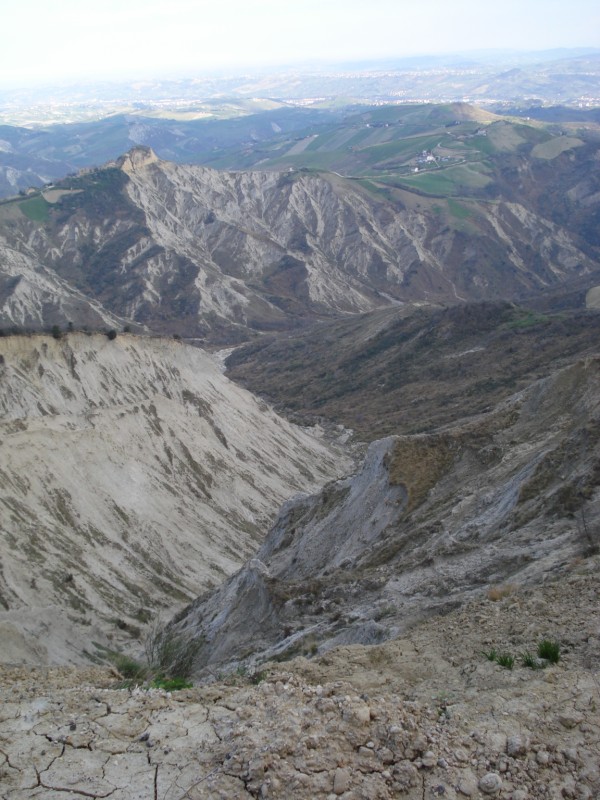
[(459, 180), (35, 208)]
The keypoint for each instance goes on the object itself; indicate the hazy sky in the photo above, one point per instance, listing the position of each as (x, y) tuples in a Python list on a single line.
[(47, 41)]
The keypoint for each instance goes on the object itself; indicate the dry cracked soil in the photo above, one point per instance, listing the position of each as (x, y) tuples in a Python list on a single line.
[(422, 717)]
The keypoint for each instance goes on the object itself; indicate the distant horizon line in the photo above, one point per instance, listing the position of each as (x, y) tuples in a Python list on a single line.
[(417, 60)]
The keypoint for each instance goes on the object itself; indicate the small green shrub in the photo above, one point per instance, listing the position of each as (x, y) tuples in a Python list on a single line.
[(549, 650), (505, 660), (491, 655), (170, 684)]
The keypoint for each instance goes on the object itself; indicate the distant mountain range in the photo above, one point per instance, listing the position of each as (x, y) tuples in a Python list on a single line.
[(220, 121)]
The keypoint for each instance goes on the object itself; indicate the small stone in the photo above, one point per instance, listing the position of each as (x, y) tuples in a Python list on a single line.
[(496, 742), (419, 743), (461, 755), (520, 794), (490, 783), (341, 781), (468, 785), (571, 754), (361, 714), (516, 746), (542, 757), (570, 720), (441, 762), (429, 759)]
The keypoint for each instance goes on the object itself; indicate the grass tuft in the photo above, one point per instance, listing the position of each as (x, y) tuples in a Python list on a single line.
[(491, 655), (529, 660), (549, 650), (505, 660), (170, 684)]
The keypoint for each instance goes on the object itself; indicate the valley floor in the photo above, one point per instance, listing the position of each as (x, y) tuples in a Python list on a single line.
[(425, 716)]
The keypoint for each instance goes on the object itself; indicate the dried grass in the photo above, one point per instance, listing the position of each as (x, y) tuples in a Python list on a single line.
[(496, 593), (418, 463)]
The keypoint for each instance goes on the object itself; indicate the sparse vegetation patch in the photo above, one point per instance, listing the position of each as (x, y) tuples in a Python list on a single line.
[(548, 652), (418, 463)]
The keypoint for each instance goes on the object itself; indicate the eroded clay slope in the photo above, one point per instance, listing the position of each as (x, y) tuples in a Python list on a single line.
[(34, 296), (219, 255), (133, 474)]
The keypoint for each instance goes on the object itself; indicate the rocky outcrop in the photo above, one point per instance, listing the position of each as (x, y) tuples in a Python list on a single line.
[(133, 475), (430, 521), (136, 159)]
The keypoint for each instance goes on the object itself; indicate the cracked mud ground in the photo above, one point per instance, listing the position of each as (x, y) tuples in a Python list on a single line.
[(425, 716)]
